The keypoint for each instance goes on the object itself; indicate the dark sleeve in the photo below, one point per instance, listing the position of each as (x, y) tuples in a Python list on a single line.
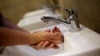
[(1, 21), (1, 24), (8, 24)]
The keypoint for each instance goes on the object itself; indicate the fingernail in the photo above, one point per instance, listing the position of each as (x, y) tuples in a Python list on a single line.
[(55, 46)]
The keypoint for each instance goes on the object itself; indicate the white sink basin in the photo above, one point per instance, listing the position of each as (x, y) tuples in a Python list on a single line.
[(83, 43)]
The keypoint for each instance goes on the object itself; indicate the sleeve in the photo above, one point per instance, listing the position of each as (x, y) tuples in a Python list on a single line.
[(1, 21)]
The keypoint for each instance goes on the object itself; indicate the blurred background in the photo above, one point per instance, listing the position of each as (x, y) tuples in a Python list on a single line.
[(88, 10)]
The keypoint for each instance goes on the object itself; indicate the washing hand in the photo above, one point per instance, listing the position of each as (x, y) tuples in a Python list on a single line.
[(48, 39)]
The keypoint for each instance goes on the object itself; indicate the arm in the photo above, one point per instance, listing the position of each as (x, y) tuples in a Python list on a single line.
[(11, 34), (11, 25), (19, 40), (10, 37)]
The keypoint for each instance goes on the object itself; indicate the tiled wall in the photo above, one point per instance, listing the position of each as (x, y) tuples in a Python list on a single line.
[(15, 9), (88, 12)]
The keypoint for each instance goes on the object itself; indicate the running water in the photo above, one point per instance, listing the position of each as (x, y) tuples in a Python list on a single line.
[(48, 26)]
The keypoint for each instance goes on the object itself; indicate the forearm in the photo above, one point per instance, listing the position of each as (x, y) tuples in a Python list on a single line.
[(10, 37), (11, 25)]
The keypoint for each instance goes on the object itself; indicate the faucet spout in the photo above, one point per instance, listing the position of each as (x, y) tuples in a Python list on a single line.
[(73, 27), (71, 20), (47, 18)]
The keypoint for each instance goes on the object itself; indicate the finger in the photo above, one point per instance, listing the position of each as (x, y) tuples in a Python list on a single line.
[(56, 38), (57, 41), (57, 34), (45, 45), (55, 46), (38, 46), (52, 45), (56, 29)]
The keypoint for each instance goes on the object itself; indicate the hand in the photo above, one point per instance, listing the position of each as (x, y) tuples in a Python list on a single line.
[(59, 39), (44, 45), (52, 37)]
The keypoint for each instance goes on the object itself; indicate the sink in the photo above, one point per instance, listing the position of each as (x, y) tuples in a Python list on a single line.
[(33, 18), (83, 43)]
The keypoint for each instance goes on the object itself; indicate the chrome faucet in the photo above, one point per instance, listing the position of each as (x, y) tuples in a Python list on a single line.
[(71, 20)]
